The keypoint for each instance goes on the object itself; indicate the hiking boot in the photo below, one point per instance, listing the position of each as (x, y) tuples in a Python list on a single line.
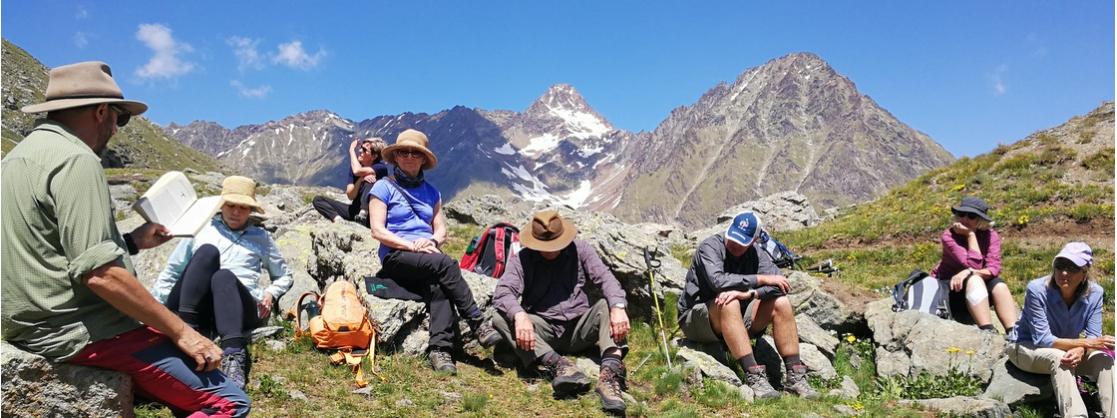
[(797, 384), (234, 364), (566, 379), (757, 379), (442, 362), (485, 334), (610, 388)]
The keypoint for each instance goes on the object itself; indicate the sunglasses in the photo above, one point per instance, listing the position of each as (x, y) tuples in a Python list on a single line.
[(410, 153), (966, 215), (1067, 266), (122, 116)]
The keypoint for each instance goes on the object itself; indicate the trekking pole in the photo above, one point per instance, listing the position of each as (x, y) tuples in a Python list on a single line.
[(653, 264)]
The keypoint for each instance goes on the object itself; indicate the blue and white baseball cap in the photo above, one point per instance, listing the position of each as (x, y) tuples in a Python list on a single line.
[(744, 229)]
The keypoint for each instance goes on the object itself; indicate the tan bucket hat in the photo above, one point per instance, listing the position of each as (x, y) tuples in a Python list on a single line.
[(240, 190), (82, 84), (411, 139), (548, 231)]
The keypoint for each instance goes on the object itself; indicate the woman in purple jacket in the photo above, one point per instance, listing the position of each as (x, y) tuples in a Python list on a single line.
[(971, 258)]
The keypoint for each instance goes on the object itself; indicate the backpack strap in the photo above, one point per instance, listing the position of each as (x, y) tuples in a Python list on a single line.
[(355, 359), (900, 290), (498, 249)]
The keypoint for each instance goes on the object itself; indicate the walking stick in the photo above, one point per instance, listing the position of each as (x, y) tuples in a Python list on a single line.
[(653, 264)]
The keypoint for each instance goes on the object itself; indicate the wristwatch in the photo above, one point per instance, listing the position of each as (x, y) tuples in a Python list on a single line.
[(620, 305)]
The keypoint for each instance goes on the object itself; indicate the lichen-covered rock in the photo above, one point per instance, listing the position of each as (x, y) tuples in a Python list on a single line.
[(708, 359), (36, 387), (1014, 386), (910, 342), (784, 211), (964, 406), (808, 298), (810, 332)]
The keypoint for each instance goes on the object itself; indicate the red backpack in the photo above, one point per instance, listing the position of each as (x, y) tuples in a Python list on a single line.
[(488, 253)]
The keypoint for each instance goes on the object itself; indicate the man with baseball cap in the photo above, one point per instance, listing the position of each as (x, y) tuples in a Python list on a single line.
[(733, 291), (70, 292), (541, 295)]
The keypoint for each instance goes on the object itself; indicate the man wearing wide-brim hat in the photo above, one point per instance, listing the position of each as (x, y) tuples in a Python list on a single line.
[(70, 292), (541, 294)]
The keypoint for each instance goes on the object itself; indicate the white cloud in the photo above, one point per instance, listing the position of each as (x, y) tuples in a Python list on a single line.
[(81, 40), (166, 62), (82, 13), (293, 55), (252, 93), (999, 87), (247, 54)]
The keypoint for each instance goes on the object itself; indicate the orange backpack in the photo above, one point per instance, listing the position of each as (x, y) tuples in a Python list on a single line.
[(343, 325)]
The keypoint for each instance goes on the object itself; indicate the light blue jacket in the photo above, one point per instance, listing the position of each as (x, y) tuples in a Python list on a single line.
[(243, 253)]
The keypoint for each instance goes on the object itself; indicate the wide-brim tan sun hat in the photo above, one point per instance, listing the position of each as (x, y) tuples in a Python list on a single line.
[(548, 231), (83, 84), (410, 139), (242, 191)]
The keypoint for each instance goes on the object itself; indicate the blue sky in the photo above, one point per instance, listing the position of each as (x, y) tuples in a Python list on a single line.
[(969, 74)]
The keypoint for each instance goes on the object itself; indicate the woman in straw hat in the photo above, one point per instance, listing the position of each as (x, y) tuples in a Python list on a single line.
[(971, 259), (405, 215), (1059, 310), (212, 280)]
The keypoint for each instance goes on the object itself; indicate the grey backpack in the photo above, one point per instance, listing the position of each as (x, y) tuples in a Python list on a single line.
[(923, 293)]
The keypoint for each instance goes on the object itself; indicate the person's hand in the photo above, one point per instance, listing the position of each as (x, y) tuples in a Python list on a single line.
[(1072, 357), (958, 229), (204, 352), (774, 280), (730, 295), (264, 307), (959, 280), (1104, 342), (618, 324), (371, 178), (150, 235), (525, 332), (425, 245)]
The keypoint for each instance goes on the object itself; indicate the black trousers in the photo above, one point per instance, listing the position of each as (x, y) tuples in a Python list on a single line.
[(437, 278), (331, 209), (213, 300)]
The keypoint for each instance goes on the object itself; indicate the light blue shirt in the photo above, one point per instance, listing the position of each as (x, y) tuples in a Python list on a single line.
[(242, 252), (1045, 317), (410, 211)]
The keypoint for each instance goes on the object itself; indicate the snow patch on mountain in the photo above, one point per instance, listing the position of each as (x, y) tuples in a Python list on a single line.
[(505, 149), (540, 144)]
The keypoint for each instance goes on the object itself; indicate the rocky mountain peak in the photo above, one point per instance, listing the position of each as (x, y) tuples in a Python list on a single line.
[(563, 111)]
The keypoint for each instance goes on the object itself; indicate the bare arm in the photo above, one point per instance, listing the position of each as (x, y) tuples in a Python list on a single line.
[(120, 289), (438, 223), (378, 221)]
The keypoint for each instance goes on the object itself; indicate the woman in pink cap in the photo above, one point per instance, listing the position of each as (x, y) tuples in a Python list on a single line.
[(1059, 310)]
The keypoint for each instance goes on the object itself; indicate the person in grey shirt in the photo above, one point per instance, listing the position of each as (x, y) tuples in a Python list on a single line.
[(541, 296), (732, 292)]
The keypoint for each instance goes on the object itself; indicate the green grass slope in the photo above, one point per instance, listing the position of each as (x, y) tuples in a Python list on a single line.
[(1053, 187), (141, 144)]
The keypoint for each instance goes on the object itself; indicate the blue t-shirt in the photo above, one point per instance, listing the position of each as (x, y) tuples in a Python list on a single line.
[(409, 224)]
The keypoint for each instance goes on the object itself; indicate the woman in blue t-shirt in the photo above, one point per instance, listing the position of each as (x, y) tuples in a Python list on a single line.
[(405, 214), (1060, 331)]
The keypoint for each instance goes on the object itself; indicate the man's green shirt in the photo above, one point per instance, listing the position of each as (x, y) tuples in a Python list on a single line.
[(58, 226)]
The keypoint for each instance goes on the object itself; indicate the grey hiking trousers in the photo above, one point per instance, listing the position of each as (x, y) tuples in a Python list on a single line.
[(588, 330)]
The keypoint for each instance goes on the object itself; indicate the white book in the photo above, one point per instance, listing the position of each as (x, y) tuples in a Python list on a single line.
[(171, 202)]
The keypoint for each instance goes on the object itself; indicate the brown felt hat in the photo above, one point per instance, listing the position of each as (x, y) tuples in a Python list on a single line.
[(547, 231), (410, 139), (240, 190), (83, 84)]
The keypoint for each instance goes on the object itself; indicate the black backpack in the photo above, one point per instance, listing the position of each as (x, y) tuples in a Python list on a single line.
[(924, 293), (780, 254), (488, 253)]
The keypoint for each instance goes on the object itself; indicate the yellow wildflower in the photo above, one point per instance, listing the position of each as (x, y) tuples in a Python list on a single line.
[(851, 339), (953, 350), (970, 352)]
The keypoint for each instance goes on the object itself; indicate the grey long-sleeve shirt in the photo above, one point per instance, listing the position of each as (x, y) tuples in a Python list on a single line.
[(714, 270), (553, 289)]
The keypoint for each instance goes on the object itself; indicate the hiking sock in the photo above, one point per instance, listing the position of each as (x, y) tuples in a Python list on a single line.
[(792, 360), (473, 315), (747, 361), (613, 363), (550, 359), (233, 343), (988, 327), (613, 354)]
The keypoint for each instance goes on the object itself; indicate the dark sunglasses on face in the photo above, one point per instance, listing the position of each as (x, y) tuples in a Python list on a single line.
[(409, 153), (966, 215), (1067, 266), (122, 116)]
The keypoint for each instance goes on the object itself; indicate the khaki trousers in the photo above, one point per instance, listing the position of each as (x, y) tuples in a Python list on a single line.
[(589, 330), (1044, 360)]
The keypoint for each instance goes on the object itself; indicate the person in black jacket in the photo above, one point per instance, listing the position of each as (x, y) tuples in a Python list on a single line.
[(366, 166), (733, 291)]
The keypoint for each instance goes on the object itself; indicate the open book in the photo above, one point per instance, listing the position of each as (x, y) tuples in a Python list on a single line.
[(171, 202)]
